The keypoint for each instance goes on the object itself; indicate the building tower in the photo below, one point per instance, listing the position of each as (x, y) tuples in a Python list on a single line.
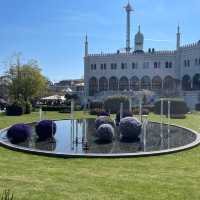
[(86, 46), (128, 9), (139, 41), (178, 38)]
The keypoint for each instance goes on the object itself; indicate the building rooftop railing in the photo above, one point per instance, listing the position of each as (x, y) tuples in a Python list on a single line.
[(155, 53)]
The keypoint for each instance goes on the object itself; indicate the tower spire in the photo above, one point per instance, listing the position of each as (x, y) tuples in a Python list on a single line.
[(128, 9), (178, 38), (86, 45)]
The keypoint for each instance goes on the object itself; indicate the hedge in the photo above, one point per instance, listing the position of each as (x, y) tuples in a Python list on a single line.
[(112, 104), (197, 107), (96, 104), (178, 107), (15, 109)]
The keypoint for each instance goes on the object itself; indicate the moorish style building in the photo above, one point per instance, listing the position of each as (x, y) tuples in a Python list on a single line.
[(167, 73)]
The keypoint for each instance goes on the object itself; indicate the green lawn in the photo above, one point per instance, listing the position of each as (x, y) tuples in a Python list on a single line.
[(169, 177)]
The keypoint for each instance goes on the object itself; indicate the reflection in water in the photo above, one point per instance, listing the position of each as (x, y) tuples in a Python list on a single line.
[(48, 145), (78, 136)]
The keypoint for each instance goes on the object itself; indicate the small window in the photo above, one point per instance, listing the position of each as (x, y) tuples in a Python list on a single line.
[(124, 65), (93, 66), (166, 65), (170, 65), (196, 61), (188, 63), (102, 66), (155, 65), (185, 63)]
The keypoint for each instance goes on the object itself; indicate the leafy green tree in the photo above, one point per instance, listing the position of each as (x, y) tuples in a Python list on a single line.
[(26, 81)]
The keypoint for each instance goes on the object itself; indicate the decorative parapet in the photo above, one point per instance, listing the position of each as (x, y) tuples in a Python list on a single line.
[(155, 53), (192, 45)]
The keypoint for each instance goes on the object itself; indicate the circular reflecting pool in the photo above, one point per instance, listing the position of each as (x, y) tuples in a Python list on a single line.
[(78, 138)]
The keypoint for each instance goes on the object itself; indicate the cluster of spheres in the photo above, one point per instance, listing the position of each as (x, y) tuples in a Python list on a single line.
[(129, 127), (18, 133)]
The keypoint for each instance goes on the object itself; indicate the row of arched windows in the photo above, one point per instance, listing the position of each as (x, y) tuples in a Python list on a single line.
[(191, 83), (135, 84)]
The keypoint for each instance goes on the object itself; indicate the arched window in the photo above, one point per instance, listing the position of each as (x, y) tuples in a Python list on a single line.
[(196, 82), (156, 83), (186, 83), (146, 83), (113, 83), (103, 84), (169, 83), (134, 83), (93, 86), (124, 83)]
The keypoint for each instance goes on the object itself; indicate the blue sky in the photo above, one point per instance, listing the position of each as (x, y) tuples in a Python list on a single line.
[(52, 31)]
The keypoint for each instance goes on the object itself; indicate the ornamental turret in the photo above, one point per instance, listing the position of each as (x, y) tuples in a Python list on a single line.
[(139, 41)]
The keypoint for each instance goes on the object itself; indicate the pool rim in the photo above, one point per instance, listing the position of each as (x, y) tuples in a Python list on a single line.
[(18, 148)]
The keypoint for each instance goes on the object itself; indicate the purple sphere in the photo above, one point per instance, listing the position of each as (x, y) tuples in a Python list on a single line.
[(102, 120), (105, 133), (130, 128), (45, 129), (19, 133)]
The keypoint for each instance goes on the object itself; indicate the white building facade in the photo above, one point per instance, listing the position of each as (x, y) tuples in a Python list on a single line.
[(167, 73)]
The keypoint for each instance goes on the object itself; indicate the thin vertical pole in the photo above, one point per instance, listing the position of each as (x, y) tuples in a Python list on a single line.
[(161, 110), (121, 110)]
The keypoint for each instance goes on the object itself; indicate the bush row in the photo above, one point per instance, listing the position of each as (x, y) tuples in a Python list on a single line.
[(112, 105), (178, 107), (19, 108)]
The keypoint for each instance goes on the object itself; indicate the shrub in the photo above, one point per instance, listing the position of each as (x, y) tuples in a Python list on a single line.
[(130, 128), (28, 107), (177, 107), (45, 129), (197, 107), (15, 109), (103, 120), (112, 104), (19, 133), (65, 110), (105, 133), (78, 108), (96, 111), (125, 114), (55, 108), (96, 104), (178, 116)]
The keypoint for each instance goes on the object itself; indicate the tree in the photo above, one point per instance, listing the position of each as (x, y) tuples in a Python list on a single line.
[(26, 80)]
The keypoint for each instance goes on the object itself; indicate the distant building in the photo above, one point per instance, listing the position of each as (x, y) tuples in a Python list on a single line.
[(167, 73), (76, 85)]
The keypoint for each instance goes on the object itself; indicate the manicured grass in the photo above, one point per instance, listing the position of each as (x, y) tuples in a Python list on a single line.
[(169, 177)]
